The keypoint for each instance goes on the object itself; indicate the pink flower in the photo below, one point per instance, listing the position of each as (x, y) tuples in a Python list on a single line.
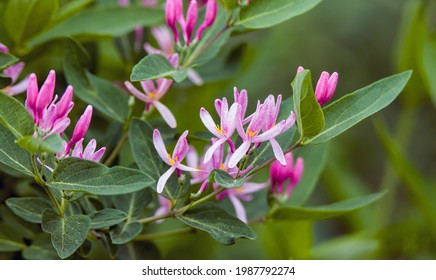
[(244, 193), (49, 117), (89, 153), (165, 207), (279, 174), (14, 72), (173, 161), (3, 48), (326, 86), (225, 129), (174, 15), (154, 91), (80, 129), (262, 120)]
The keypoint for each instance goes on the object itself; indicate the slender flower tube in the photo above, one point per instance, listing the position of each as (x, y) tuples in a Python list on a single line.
[(325, 87), (225, 129), (89, 153), (191, 21), (279, 174), (153, 93), (209, 18), (173, 161), (81, 128)]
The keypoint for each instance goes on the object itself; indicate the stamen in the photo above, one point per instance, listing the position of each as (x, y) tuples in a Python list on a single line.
[(251, 133)]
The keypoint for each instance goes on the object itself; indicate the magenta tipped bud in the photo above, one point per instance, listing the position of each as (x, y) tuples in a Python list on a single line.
[(326, 87), (191, 21), (173, 13), (281, 174), (81, 128), (3, 48), (209, 18), (65, 103), (45, 95)]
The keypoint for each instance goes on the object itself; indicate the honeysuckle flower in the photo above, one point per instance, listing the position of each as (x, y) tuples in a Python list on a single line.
[(165, 207), (242, 99), (154, 91), (325, 87), (89, 153), (165, 41), (279, 174), (49, 117), (262, 115), (174, 15), (81, 128), (173, 161), (225, 129), (244, 193)]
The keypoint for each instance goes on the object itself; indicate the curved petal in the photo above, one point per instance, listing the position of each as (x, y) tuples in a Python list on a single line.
[(141, 96), (239, 154), (194, 77), (187, 168), (166, 114), (229, 123), (253, 187), (192, 157), (18, 88), (270, 133), (164, 178), (98, 155), (151, 50), (208, 122), (78, 149), (160, 146), (182, 147), (278, 152), (212, 149), (148, 86), (239, 208), (90, 149), (14, 71)]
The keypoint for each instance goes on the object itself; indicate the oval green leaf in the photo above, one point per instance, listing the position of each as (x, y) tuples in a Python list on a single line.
[(28, 208), (52, 144), (75, 174), (14, 116), (107, 217), (13, 156), (155, 66)]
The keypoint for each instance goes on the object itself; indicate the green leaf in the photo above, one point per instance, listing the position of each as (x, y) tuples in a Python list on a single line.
[(14, 116), (71, 8), (103, 21), (212, 41), (75, 174), (325, 211), (67, 233), (429, 64), (125, 232), (223, 179), (221, 226), (23, 19), (9, 240), (28, 208), (41, 249), (107, 217), (13, 156), (309, 116), (133, 204), (354, 107), (104, 95), (6, 60), (155, 66), (267, 13), (315, 158), (228, 4), (52, 144)]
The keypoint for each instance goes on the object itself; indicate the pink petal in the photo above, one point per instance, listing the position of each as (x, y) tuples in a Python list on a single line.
[(212, 149), (18, 88), (136, 92), (192, 157), (78, 149), (98, 155), (149, 87), (239, 208), (182, 147), (269, 134), (14, 71), (164, 178), (90, 148), (160, 146), (194, 77), (278, 152), (208, 122), (239, 154), (46, 93), (187, 168), (166, 114)]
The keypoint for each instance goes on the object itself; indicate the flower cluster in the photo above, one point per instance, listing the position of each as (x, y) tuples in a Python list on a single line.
[(290, 173), (13, 72), (51, 117), (174, 15)]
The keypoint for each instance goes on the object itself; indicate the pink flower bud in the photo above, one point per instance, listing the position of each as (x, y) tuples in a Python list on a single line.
[(3, 48), (81, 128), (174, 13), (325, 87), (191, 21), (290, 173), (32, 94), (45, 96), (209, 18)]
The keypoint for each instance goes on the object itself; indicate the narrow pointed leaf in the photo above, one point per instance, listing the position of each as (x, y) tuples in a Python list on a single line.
[(74, 174), (325, 211), (355, 107), (67, 233), (263, 14), (221, 226)]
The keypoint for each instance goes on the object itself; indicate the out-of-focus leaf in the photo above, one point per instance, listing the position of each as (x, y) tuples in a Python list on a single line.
[(41, 249), (354, 107), (7, 59), (105, 96), (155, 66), (24, 19), (218, 223), (109, 21), (75, 174), (67, 233), (325, 211), (264, 14), (223, 179), (9, 240), (71, 8)]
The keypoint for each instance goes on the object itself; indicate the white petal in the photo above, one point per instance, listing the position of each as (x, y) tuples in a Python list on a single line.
[(208, 121), (166, 114), (164, 178), (212, 149), (136, 92), (239, 208), (159, 145), (278, 152), (195, 77), (187, 168), (239, 154)]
